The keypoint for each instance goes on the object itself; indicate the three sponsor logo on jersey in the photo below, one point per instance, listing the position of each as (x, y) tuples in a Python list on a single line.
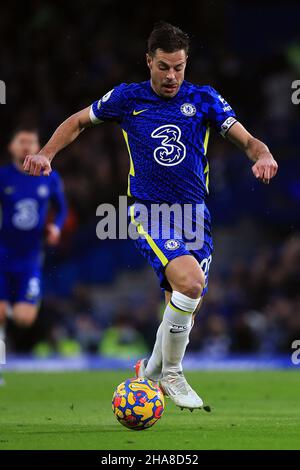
[(171, 151)]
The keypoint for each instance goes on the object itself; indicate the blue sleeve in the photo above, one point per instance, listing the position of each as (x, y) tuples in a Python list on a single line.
[(110, 107), (58, 199), (218, 112)]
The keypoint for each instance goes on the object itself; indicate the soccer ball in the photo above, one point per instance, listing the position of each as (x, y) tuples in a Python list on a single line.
[(138, 403)]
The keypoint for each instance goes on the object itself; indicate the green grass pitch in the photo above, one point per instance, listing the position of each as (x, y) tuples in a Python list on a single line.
[(72, 410)]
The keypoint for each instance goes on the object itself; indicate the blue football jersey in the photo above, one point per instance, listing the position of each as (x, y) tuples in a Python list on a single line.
[(24, 203), (166, 138)]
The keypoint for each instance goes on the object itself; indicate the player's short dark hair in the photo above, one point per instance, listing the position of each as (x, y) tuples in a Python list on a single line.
[(24, 128), (167, 37)]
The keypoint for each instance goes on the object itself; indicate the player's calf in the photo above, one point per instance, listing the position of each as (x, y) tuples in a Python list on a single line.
[(3, 315), (187, 281), (177, 323)]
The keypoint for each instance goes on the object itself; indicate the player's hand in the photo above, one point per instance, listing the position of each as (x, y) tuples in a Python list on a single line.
[(37, 165), (265, 168), (52, 234)]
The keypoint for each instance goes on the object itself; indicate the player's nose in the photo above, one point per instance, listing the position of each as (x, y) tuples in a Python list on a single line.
[(171, 76)]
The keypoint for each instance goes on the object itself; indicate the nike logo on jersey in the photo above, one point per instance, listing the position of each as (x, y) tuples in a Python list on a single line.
[(135, 113)]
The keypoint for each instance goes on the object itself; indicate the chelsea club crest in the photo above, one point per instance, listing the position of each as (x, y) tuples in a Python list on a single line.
[(172, 245), (188, 109)]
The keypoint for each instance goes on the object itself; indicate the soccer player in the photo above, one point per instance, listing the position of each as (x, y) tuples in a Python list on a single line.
[(166, 122), (24, 204)]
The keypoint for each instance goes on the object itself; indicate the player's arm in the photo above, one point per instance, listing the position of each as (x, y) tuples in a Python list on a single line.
[(265, 166), (109, 108), (64, 135)]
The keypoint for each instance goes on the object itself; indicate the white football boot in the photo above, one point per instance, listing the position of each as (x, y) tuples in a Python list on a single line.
[(180, 392)]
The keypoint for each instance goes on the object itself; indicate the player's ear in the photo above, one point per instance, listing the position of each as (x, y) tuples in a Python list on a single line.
[(149, 60)]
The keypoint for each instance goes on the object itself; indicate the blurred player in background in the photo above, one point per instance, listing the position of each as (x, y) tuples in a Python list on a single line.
[(166, 122), (24, 207)]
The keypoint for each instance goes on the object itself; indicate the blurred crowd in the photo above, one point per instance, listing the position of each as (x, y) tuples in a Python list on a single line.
[(58, 60)]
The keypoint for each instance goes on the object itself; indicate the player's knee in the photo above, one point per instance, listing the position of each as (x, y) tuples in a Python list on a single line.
[(192, 285), (24, 321), (2, 316), (24, 317), (3, 312), (193, 289)]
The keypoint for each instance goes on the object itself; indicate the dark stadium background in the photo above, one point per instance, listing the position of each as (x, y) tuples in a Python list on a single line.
[(58, 57)]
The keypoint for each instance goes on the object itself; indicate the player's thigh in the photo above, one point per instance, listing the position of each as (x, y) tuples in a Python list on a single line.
[(26, 296), (185, 275), (24, 313)]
